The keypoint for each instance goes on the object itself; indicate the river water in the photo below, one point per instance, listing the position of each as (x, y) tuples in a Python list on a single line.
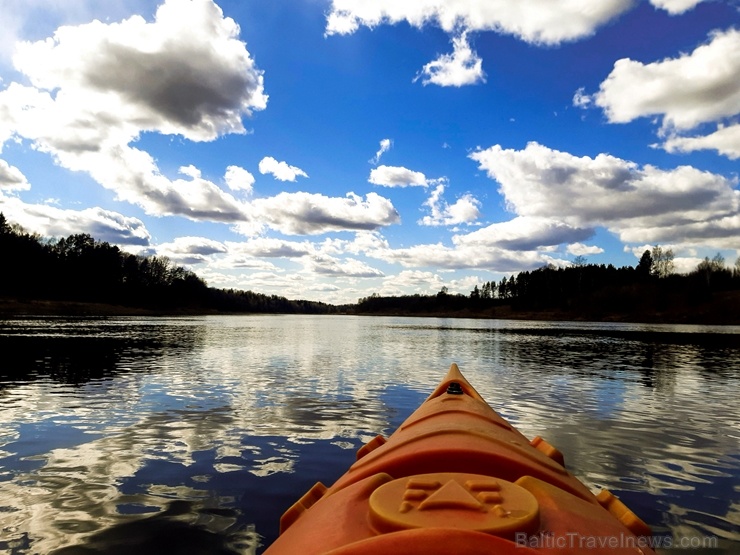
[(193, 434)]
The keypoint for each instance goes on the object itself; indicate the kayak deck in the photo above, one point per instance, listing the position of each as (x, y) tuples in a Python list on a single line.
[(456, 477)]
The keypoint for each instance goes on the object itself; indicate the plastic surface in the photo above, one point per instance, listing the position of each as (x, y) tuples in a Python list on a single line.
[(303, 504), (437, 541), (454, 500), (457, 478)]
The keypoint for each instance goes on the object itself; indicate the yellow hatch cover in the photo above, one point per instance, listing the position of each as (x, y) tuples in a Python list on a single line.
[(454, 500)]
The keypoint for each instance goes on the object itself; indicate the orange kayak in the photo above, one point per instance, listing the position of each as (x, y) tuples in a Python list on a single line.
[(458, 478)]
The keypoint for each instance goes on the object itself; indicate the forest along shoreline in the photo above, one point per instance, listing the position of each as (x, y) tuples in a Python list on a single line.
[(94, 278)]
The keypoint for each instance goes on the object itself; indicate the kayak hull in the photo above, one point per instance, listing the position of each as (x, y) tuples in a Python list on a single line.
[(458, 478)]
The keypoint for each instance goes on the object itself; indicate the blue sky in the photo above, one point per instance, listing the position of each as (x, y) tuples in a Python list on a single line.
[(331, 149)]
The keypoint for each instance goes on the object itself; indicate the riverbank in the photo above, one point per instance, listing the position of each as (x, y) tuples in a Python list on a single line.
[(723, 309), (13, 308)]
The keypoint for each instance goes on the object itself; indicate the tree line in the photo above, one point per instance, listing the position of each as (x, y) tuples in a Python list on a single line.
[(585, 290), (80, 268)]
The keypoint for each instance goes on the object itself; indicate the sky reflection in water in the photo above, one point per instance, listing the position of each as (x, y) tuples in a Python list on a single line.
[(196, 433)]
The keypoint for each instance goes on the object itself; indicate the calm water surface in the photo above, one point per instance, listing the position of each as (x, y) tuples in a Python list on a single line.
[(192, 435)]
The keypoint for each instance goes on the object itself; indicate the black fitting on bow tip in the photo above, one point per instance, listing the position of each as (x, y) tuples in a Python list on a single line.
[(455, 389)]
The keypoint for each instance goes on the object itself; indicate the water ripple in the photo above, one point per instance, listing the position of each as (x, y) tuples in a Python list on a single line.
[(198, 432)]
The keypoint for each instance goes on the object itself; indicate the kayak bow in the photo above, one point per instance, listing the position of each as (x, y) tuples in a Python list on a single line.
[(458, 478)]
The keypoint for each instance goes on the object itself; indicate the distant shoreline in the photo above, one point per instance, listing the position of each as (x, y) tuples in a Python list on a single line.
[(720, 312), (100, 280), (13, 308)]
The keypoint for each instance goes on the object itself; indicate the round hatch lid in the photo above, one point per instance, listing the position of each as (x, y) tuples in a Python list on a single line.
[(454, 500)]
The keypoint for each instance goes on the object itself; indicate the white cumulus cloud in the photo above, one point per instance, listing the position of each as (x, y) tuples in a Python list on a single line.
[(465, 210), (190, 171), (11, 178), (725, 140), (270, 247), (191, 250), (281, 171), (21, 18), (687, 91), (545, 22), (456, 258), (524, 233), (535, 21), (416, 281), (462, 67), (397, 176), (96, 87), (303, 213), (51, 221), (579, 249), (473, 250), (184, 73), (639, 204), (239, 179), (331, 266), (675, 7), (694, 88)]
